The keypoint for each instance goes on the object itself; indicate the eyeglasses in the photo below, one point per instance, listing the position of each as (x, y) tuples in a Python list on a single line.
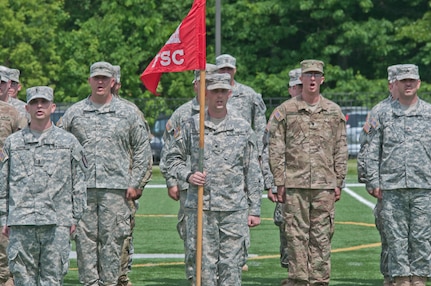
[(14, 84), (315, 75)]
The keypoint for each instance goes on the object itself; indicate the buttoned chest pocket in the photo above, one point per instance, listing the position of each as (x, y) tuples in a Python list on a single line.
[(325, 128), (20, 168), (81, 127), (393, 132), (56, 162), (231, 148), (112, 125)]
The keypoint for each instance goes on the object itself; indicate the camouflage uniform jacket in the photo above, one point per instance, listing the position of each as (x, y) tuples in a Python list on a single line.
[(367, 133), (251, 107), (399, 155), (10, 122), (173, 125), (149, 172), (115, 141), (20, 106), (230, 160), (308, 150), (43, 179), (268, 178)]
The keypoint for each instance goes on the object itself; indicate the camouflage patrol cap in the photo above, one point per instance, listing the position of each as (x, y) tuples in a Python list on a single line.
[(4, 73), (14, 75), (218, 80), (407, 71), (209, 70), (294, 77), (312, 66), (40, 92), (392, 72), (225, 61), (117, 71), (102, 69)]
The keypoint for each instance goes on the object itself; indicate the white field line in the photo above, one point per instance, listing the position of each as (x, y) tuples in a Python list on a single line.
[(358, 197)]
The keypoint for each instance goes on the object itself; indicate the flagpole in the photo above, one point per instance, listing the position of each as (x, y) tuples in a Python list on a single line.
[(199, 226)]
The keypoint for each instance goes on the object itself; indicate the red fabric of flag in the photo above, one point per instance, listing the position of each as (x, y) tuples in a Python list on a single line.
[(185, 49)]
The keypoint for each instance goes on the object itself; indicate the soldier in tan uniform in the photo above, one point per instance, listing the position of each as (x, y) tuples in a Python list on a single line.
[(8, 84), (308, 158), (295, 89)]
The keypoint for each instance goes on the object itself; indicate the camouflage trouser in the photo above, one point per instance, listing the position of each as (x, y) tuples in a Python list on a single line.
[(224, 246), (279, 221), (4, 269), (127, 250), (39, 255), (181, 228), (379, 225), (100, 235), (407, 225), (309, 218)]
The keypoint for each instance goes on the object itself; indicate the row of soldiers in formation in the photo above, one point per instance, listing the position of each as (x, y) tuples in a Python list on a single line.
[(81, 182), (299, 157), (303, 157)]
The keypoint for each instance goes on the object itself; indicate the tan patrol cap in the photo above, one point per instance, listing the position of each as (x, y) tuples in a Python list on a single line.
[(312, 66)]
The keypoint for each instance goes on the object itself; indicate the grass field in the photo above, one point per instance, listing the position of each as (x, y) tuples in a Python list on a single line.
[(355, 247)]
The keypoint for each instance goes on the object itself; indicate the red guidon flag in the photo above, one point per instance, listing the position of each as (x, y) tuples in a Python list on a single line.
[(185, 49)]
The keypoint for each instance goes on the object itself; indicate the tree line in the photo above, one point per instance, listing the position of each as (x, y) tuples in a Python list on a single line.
[(54, 42)]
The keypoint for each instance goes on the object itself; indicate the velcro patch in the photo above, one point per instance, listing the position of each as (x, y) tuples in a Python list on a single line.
[(177, 132), (278, 115), (169, 126)]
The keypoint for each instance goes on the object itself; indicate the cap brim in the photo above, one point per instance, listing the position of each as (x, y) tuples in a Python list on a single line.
[(407, 76), (311, 70), (219, 86), (294, 82), (40, 96), (226, 66), (99, 73), (3, 78)]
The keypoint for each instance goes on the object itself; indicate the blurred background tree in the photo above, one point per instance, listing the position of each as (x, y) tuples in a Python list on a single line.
[(54, 43)]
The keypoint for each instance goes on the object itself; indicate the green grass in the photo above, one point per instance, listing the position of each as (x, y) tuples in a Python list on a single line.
[(355, 247)]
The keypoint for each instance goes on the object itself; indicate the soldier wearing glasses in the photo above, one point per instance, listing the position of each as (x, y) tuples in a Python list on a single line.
[(308, 158)]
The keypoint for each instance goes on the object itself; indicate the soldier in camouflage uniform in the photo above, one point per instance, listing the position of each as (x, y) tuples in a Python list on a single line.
[(15, 85), (398, 170), (232, 182), (248, 103), (10, 121), (308, 158), (295, 89), (12, 76), (42, 194), (177, 189), (128, 249), (117, 147), (367, 133)]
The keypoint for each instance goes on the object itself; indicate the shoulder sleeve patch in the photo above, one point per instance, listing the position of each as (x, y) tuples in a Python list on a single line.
[(169, 126), (177, 132), (278, 115)]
